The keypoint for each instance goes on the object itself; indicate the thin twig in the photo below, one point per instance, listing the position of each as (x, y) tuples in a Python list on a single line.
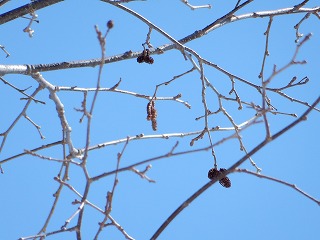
[(110, 195), (193, 7), (278, 181), (142, 174), (56, 195), (117, 225), (102, 42), (171, 135), (293, 60), (35, 125), (22, 91), (33, 150), (301, 4), (28, 28), (263, 82), (112, 89), (5, 51), (30, 152), (44, 235), (297, 26), (23, 112)]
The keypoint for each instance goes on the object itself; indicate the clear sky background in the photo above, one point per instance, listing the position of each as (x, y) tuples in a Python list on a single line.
[(252, 208)]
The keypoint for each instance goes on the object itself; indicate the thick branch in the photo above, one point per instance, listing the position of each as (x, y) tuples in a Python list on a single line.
[(25, 9), (228, 18)]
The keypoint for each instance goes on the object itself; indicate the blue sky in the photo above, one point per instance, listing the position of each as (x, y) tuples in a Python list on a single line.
[(252, 208)]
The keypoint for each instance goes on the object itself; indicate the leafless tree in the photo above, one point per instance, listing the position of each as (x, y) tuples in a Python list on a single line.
[(255, 102)]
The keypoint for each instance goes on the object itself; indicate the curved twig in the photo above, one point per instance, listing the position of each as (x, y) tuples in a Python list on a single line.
[(278, 181)]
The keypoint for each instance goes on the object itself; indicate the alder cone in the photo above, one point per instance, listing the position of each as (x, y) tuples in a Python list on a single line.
[(225, 182), (215, 173), (140, 59), (145, 57)]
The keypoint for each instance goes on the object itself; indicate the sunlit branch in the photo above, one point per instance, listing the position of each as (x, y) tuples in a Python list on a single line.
[(193, 7), (228, 18), (28, 29), (171, 135), (60, 110), (171, 153), (30, 152), (139, 95)]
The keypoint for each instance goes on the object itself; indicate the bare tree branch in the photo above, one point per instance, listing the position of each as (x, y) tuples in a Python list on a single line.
[(25, 9), (278, 181), (192, 7), (231, 169), (216, 100)]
